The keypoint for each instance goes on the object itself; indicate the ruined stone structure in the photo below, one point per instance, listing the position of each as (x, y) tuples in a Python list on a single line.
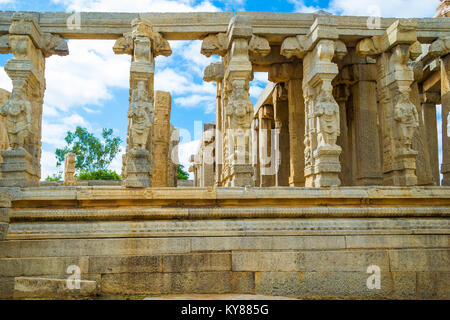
[(69, 169), (333, 174)]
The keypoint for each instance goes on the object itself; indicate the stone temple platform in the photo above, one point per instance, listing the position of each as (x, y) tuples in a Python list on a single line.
[(292, 242)]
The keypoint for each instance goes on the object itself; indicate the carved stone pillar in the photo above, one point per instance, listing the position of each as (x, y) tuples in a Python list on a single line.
[(443, 10), (144, 45), (322, 159), (23, 110), (236, 46), (161, 139), (4, 143), (367, 158), (399, 116), (238, 171), (281, 118), (318, 49), (345, 141), (267, 164)]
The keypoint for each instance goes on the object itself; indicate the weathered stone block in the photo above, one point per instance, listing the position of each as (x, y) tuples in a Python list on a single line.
[(15, 267), (125, 264), (267, 243), (435, 260), (52, 288), (433, 285), (93, 247), (168, 283), (330, 261), (280, 283), (197, 262)]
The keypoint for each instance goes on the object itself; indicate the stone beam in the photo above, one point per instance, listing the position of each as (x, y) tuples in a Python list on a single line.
[(195, 26)]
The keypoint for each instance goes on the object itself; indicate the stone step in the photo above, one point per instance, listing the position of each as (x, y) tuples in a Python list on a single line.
[(39, 288)]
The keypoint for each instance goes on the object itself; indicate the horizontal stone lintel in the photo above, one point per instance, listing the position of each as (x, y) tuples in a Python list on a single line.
[(226, 228), (195, 26)]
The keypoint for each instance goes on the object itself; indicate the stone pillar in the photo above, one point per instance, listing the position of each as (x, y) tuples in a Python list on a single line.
[(318, 50), (399, 115), (441, 49), (208, 155), (4, 143), (161, 139), (281, 147), (420, 144), (23, 110), (173, 156), (69, 170), (238, 114), (144, 45), (215, 72), (255, 150), (5, 205), (322, 111), (429, 102), (365, 122), (236, 47), (291, 74), (345, 139), (443, 10), (267, 165), (445, 99)]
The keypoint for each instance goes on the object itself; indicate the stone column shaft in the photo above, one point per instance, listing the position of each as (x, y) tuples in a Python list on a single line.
[(282, 149), (445, 99), (365, 122), (266, 159)]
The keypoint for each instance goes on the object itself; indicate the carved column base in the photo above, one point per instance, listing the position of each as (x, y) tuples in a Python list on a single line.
[(241, 176), (138, 170), (327, 166), (18, 169), (404, 170), (309, 177)]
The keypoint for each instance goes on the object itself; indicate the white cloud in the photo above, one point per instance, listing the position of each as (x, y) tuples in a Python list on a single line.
[(53, 133), (185, 150), (48, 164), (86, 76), (138, 5), (5, 81), (300, 6), (383, 8)]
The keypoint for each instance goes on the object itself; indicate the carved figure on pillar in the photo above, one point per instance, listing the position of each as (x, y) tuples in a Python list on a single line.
[(17, 111), (327, 113), (140, 115), (407, 118)]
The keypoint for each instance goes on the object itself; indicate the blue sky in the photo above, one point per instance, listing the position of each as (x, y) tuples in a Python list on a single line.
[(90, 86)]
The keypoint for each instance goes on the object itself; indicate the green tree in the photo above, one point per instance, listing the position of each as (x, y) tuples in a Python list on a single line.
[(182, 174), (92, 154)]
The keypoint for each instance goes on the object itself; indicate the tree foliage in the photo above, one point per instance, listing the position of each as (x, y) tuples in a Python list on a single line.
[(182, 174), (98, 175), (92, 153)]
